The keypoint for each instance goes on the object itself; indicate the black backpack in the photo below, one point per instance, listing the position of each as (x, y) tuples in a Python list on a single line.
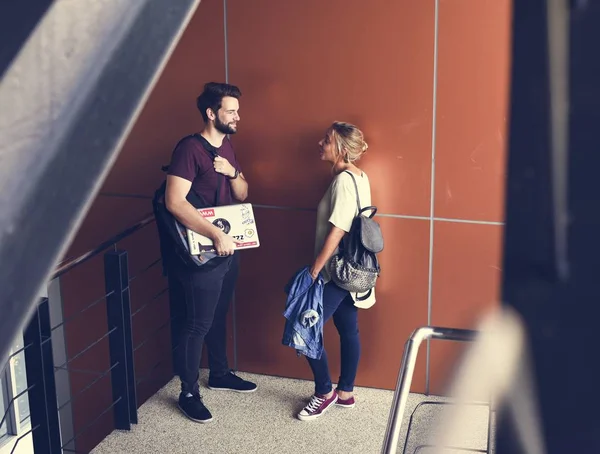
[(174, 248), (355, 267)]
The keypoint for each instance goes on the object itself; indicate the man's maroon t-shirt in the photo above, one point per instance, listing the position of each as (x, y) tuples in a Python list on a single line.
[(192, 162)]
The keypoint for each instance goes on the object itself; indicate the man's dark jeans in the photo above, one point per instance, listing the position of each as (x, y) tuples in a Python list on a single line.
[(207, 295)]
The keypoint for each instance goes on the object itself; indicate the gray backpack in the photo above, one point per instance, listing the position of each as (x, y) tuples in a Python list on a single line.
[(355, 267)]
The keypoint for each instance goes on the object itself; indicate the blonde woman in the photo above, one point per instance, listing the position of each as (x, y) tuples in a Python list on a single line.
[(342, 146)]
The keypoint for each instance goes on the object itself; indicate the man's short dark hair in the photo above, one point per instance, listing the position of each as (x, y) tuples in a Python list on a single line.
[(213, 95)]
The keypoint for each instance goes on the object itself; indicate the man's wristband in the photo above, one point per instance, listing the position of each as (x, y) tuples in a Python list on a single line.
[(235, 175)]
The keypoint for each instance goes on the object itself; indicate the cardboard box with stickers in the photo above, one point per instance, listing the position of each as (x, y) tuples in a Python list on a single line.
[(235, 220)]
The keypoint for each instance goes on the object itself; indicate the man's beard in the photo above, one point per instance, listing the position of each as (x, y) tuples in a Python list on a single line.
[(223, 127)]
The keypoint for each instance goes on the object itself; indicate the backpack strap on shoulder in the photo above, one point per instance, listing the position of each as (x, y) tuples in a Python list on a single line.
[(356, 188), (213, 153), (372, 209)]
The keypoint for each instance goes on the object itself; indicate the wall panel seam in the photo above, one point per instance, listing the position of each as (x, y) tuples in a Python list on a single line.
[(432, 187)]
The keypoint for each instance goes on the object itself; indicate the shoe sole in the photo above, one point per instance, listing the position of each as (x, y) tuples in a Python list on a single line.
[(199, 421), (345, 406), (243, 391), (312, 417)]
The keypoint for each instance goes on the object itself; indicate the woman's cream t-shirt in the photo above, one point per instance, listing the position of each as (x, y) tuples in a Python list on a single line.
[(339, 207)]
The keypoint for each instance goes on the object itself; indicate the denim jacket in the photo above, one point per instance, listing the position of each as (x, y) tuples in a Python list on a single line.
[(304, 313)]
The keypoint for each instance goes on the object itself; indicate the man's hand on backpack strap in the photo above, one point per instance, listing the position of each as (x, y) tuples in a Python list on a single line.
[(224, 167)]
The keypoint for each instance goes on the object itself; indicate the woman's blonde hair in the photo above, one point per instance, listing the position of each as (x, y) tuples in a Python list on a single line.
[(349, 141)]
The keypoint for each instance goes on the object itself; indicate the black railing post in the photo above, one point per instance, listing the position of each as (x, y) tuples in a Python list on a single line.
[(39, 366), (118, 306)]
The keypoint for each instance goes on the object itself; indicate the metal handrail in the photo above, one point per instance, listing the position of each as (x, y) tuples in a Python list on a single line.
[(405, 376), (68, 265)]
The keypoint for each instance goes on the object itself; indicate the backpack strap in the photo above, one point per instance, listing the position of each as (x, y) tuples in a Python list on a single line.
[(373, 209), (213, 152), (356, 188)]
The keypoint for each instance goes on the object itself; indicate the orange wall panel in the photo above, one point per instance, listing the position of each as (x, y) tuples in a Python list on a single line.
[(466, 284), (107, 217), (470, 169), (472, 109), (302, 65)]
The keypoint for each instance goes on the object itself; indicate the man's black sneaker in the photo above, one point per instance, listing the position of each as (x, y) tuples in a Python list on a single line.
[(193, 407), (231, 382)]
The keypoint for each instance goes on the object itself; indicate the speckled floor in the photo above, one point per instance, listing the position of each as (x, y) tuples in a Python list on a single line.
[(265, 422)]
